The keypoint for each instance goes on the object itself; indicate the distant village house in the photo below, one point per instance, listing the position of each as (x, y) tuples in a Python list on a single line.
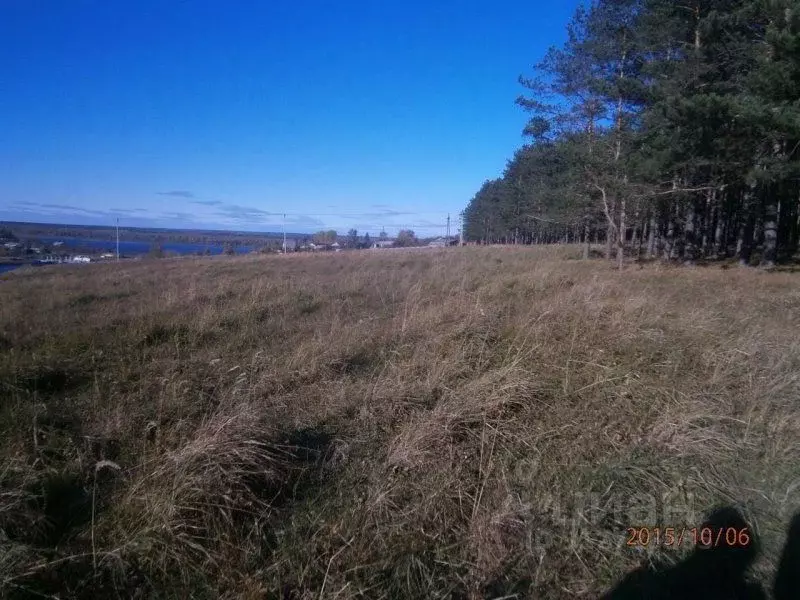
[(441, 242)]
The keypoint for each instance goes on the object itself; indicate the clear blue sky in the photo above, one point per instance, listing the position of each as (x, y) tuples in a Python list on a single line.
[(218, 114)]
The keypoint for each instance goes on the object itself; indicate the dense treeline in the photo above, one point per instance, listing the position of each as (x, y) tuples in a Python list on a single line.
[(660, 128)]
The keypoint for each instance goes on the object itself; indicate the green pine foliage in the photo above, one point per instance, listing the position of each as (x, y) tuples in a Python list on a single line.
[(661, 129)]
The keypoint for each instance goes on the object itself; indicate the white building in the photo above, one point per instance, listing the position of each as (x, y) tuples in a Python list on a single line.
[(81, 259)]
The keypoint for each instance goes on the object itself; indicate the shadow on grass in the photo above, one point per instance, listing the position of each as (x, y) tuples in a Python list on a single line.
[(66, 506), (53, 380), (360, 362), (83, 300), (784, 265), (306, 303), (161, 334), (308, 450), (64, 503), (718, 571)]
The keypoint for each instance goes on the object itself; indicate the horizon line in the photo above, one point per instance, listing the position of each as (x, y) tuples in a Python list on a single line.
[(113, 227)]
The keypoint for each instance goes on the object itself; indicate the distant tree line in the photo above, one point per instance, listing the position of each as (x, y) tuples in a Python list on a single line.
[(139, 234), (660, 129), (353, 241), (7, 235)]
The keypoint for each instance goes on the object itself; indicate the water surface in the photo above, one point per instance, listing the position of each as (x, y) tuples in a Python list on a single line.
[(133, 248)]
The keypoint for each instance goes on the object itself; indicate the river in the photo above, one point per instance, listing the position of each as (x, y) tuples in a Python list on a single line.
[(125, 248), (134, 248)]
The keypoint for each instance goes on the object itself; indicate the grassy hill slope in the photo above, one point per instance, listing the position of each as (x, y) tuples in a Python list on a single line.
[(473, 422)]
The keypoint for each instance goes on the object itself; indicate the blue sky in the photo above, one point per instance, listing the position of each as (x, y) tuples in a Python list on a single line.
[(218, 114)]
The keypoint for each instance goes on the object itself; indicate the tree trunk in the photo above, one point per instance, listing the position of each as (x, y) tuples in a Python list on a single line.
[(720, 249), (621, 236), (640, 240), (672, 213), (770, 229), (586, 240), (793, 225), (744, 245), (785, 220), (709, 214), (610, 232), (690, 235), (651, 235), (669, 241)]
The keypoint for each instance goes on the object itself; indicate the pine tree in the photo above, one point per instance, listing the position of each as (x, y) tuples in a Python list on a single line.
[(673, 126)]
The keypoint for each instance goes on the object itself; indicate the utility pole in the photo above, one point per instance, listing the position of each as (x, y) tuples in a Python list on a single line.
[(117, 239), (447, 242), (284, 233), (460, 229)]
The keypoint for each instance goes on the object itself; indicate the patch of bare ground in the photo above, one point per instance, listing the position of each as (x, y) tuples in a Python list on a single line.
[(460, 423)]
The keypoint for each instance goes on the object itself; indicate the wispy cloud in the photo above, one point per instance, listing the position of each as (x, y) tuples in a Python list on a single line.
[(224, 215), (303, 221), (239, 213), (178, 194), (62, 206), (68, 208), (387, 213), (177, 215), (126, 211)]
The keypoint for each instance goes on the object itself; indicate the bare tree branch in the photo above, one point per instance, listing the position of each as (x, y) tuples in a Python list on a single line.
[(554, 222), (707, 188), (611, 222)]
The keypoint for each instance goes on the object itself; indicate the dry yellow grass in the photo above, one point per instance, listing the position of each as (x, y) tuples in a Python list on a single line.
[(469, 422)]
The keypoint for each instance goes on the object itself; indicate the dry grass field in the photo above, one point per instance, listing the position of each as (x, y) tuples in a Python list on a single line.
[(459, 423)]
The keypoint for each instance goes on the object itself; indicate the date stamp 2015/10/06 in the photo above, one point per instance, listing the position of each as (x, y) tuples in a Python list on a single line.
[(704, 537)]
